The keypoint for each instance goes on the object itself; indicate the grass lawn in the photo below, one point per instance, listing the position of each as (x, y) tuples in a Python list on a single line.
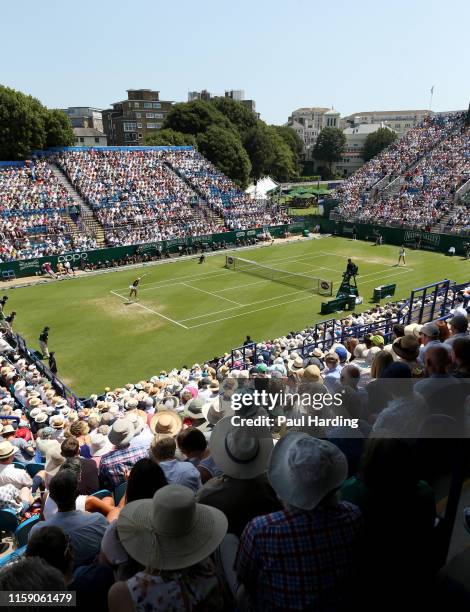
[(188, 312)]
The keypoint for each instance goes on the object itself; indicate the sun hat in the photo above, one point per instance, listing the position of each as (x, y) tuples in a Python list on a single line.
[(413, 329), (41, 417), (170, 531), (61, 403), (312, 374), (6, 450), (377, 340), (54, 459), (240, 452), (304, 469), (99, 444), (57, 421), (121, 432), (430, 330), (193, 409), (8, 429), (34, 402), (406, 347), (332, 356), (19, 385), (136, 421), (166, 422)]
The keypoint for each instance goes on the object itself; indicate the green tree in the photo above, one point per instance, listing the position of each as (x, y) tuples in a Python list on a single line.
[(224, 149), (59, 132), (22, 125), (196, 117), (168, 137), (269, 154), (377, 141), (329, 146), (293, 141), (238, 114)]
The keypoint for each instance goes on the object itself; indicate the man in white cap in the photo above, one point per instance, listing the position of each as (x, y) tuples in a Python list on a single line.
[(302, 558)]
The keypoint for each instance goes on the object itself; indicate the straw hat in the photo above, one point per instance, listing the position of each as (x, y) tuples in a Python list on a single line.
[(312, 374), (166, 422), (99, 444), (6, 450), (41, 417), (170, 531), (304, 469), (34, 402), (57, 421), (240, 452)]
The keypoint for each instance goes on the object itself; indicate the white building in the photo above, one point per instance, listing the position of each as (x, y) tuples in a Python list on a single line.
[(399, 121), (356, 136), (308, 122), (89, 137)]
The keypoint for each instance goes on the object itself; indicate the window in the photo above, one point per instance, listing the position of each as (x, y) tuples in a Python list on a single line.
[(153, 126), (129, 126), (130, 137), (157, 105), (140, 136), (138, 115), (97, 140), (136, 104), (139, 125), (158, 116), (147, 105), (82, 139), (150, 115)]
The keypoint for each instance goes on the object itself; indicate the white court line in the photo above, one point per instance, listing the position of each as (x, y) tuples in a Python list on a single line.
[(153, 311), (220, 297), (276, 297), (242, 314)]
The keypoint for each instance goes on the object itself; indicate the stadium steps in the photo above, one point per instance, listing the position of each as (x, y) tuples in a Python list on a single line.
[(87, 222), (203, 210)]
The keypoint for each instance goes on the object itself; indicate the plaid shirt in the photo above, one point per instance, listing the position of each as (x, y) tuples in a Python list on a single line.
[(114, 464), (293, 560)]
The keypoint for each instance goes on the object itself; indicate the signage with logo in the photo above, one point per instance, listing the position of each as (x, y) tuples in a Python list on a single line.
[(73, 257), (26, 265)]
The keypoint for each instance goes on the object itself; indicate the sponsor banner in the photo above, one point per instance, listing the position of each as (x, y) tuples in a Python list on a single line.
[(73, 257), (28, 264)]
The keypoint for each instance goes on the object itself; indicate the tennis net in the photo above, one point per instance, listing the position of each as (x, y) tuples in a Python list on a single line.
[(303, 282)]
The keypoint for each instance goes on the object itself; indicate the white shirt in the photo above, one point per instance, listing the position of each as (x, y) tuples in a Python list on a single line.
[(9, 474)]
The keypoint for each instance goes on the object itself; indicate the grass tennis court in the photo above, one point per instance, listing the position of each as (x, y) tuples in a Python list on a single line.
[(188, 312)]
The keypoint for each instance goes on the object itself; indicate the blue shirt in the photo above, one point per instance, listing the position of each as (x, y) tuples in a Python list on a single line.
[(182, 473), (85, 529)]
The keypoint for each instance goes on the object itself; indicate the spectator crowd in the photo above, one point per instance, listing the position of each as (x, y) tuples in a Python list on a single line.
[(426, 168)]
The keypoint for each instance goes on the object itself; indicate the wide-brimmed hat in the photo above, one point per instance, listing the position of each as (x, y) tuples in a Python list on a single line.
[(406, 347), (57, 421), (170, 531), (99, 444), (8, 429), (312, 374), (34, 402), (166, 422), (240, 452), (193, 409), (412, 329), (134, 418), (6, 450), (41, 417), (304, 469), (122, 432)]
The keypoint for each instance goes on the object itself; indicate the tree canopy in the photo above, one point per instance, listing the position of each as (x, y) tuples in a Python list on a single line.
[(168, 137), (377, 141), (238, 114), (25, 125), (329, 146), (293, 141), (224, 149), (196, 117)]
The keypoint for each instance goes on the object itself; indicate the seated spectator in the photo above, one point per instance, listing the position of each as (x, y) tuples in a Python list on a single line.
[(145, 479), (91, 584), (85, 529), (113, 465), (176, 472), (193, 444), (89, 482), (461, 358), (458, 329), (304, 556), (80, 431), (388, 482), (18, 500), (31, 574), (243, 492), (26, 450), (9, 474), (179, 573), (407, 350)]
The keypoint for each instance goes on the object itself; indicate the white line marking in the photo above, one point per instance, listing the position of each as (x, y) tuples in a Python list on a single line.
[(220, 297), (150, 310), (242, 314), (276, 297)]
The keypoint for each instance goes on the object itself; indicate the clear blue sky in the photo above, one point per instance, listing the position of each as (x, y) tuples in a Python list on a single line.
[(356, 55)]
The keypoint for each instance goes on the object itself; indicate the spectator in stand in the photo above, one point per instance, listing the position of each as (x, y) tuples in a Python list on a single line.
[(89, 482), (304, 556), (458, 329), (193, 444), (9, 474), (176, 472), (85, 529)]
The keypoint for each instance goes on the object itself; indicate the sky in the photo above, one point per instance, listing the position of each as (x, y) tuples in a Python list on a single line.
[(356, 55)]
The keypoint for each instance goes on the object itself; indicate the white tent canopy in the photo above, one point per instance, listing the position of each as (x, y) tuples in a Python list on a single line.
[(259, 191)]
